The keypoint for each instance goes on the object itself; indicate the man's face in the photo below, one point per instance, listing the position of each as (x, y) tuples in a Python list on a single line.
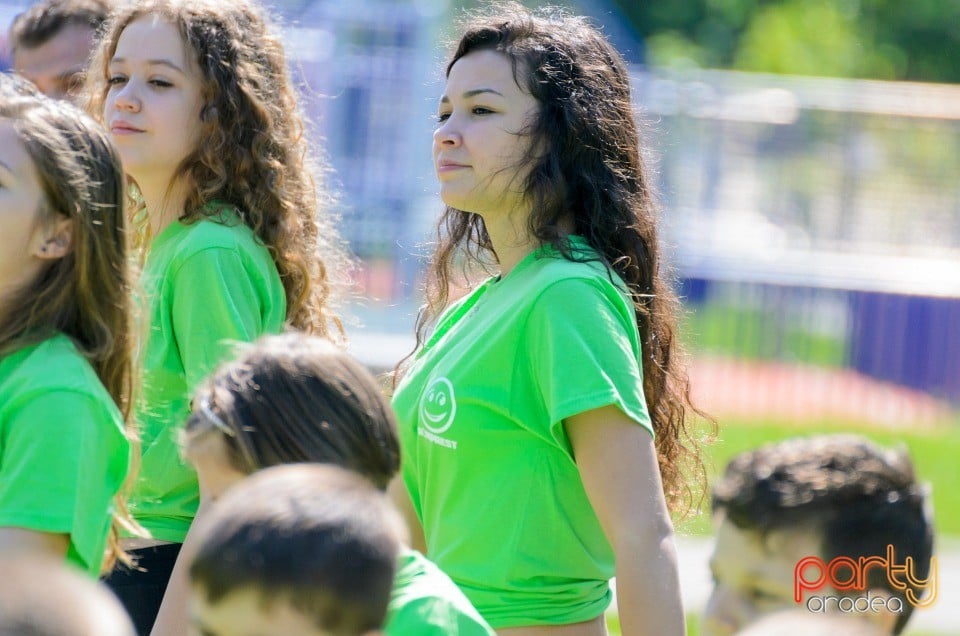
[(753, 575), (57, 65)]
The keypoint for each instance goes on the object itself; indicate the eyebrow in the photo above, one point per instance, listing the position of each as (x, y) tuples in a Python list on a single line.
[(6, 167), (160, 62), (472, 93)]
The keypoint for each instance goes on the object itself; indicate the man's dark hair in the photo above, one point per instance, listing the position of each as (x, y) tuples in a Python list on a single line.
[(45, 19), (856, 495), (317, 536)]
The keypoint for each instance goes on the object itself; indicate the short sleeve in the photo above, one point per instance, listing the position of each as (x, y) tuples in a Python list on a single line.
[(584, 352), (215, 304), (63, 459)]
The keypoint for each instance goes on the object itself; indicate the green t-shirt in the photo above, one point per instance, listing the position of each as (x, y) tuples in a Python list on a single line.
[(425, 601), (486, 459), (209, 284), (63, 451)]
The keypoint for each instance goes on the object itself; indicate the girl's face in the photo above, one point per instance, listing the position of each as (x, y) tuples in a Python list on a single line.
[(154, 99), (478, 142), (22, 239)]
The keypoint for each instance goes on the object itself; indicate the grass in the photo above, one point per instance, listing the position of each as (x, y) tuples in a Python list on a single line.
[(935, 454), (760, 334)]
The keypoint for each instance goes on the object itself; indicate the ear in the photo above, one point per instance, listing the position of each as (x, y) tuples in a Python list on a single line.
[(56, 239)]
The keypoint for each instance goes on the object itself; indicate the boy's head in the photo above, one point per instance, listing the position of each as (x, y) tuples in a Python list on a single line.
[(44, 597), (52, 41), (289, 399), (826, 497), (299, 549)]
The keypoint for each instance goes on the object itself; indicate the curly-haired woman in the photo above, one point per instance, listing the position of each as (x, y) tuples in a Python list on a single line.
[(198, 99), (542, 421)]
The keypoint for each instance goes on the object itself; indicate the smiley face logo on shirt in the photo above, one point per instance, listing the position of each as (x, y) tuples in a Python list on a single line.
[(438, 406)]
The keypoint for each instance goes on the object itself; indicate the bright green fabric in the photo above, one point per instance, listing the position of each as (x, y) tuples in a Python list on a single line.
[(485, 455), (63, 452), (209, 285), (425, 601)]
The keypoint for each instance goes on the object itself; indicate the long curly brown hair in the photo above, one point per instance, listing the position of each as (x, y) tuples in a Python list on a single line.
[(86, 294), (584, 163), (253, 151)]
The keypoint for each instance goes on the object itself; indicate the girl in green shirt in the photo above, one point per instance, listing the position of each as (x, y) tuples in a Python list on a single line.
[(543, 416), (197, 96), (65, 336)]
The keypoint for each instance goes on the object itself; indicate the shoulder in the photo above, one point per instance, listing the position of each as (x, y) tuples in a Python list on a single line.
[(569, 284), (225, 230), (34, 363), (584, 267), (27, 374), (217, 244)]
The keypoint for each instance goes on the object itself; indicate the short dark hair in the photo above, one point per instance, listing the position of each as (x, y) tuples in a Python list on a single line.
[(317, 536), (856, 495), (297, 398), (43, 20)]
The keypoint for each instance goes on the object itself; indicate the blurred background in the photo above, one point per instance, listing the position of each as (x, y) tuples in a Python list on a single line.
[(807, 155)]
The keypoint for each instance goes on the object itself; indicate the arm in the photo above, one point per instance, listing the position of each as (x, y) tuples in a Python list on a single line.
[(173, 618), (397, 492), (618, 466), (19, 541)]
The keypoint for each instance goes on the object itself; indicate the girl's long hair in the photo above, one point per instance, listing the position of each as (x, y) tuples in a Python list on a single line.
[(86, 294), (253, 150), (583, 164)]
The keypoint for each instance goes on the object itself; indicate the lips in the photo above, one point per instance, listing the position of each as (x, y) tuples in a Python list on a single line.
[(449, 166), (123, 128)]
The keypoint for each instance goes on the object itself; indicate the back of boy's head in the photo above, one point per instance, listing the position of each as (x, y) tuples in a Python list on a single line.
[(43, 597), (295, 398), (45, 19), (858, 497), (317, 537)]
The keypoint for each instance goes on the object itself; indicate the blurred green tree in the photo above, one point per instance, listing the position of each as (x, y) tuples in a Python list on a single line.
[(882, 39)]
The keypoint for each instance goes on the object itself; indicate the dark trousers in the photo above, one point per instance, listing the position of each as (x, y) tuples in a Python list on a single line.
[(141, 589)]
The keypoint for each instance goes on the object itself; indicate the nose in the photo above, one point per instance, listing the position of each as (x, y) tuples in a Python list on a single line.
[(126, 99), (446, 135)]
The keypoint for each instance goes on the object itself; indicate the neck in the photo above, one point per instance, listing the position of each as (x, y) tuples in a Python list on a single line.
[(165, 202), (510, 240)]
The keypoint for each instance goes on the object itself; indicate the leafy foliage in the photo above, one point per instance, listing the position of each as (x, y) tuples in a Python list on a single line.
[(879, 39)]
